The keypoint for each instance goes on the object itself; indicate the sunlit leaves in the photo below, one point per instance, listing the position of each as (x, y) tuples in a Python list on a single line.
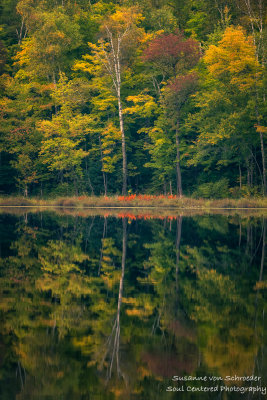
[(144, 106), (62, 135), (110, 137), (53, 36), (234, 59)]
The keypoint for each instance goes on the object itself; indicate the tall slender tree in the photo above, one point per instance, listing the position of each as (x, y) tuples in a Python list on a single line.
[(111, 55), (172, 57)]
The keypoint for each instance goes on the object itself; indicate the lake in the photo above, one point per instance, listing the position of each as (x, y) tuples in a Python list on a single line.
[(129, 306)]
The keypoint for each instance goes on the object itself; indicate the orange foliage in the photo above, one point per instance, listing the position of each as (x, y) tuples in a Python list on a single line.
[(133, 217)]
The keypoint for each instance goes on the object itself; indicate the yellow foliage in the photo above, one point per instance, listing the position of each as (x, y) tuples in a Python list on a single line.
[(122, 19), (91, 363), (147, 37), (261, 285), (261, 129), (231, 355), (130, 300), (143, 371), (138, 312), (144, 105), (234, 59)]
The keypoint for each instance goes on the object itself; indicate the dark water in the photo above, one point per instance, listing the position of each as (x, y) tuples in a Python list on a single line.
[(114, 308)]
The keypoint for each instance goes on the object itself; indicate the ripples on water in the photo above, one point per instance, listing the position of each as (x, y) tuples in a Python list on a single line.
[(113, 307)]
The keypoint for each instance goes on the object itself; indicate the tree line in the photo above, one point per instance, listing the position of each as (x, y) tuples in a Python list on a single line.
[(108, 97)]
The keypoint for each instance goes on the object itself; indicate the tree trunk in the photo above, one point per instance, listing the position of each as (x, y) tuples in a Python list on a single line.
[(178, 169), (262, 144), (171, 188), (114, 70), (252, 172), (90, 185), (103, 172), (116, 344), (177, 245), (123, 146), (164, 188), (261, 268), (263, 249), (76, 186), (88, 175), (248, 238), (102, 245), (248, 171), (240, 233), (263, 165), (259, 27), (105, 184)]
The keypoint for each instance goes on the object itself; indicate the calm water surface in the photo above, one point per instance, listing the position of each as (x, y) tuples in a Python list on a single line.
[(114, 308)]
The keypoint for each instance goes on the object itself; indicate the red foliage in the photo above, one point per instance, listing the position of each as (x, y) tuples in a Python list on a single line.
[(185, 83), (146, 197), (132, 217), (127, 198), (169, 364), (170, 48), (19, 133)]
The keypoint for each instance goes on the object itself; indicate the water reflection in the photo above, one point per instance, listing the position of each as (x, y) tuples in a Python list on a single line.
[(113, 308)]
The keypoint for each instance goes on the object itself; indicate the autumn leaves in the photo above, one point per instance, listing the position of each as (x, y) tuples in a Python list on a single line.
[(138, 108)]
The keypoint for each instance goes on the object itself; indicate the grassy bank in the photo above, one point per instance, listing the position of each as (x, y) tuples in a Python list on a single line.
[(132, 201)]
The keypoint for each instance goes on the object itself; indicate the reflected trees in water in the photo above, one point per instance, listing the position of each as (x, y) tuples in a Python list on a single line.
[(116, 307)]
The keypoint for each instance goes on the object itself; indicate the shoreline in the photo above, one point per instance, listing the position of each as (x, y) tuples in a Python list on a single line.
[(136, 208), (132, 201)]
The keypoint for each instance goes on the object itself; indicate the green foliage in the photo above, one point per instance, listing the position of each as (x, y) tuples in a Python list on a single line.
[(213, 190), (62, 135), (47, 51), (164, 89)]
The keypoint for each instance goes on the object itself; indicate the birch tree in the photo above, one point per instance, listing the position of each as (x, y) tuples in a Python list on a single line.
[(112, 54)]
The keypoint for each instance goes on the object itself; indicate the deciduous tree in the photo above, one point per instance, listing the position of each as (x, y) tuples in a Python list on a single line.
[(119, 37)]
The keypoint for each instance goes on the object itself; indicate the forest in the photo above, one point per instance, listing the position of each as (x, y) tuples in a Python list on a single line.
[(160, 97)]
